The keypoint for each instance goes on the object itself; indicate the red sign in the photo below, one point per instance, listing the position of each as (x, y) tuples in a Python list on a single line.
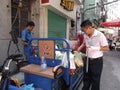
[(44, 1)]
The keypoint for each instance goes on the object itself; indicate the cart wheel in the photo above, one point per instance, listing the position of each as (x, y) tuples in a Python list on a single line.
[(62, 84)]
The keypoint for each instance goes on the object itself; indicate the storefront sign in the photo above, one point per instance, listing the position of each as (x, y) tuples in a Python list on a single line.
[(67, 4)]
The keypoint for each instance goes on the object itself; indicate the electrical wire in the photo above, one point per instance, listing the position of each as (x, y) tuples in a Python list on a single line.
[(15, 17)]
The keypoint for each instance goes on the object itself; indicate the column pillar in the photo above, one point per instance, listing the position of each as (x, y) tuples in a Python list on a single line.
[(43, 22)]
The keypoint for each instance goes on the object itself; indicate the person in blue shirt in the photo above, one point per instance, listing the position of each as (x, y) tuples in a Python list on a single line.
[(26, 38)]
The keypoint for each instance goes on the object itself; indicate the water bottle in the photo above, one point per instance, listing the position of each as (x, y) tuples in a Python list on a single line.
[(43, 64)]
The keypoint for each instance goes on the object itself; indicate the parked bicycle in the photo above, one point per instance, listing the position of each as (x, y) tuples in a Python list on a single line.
[(5, 83)]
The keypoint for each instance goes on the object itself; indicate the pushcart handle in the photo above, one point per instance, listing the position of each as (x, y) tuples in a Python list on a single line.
[(61, 39)]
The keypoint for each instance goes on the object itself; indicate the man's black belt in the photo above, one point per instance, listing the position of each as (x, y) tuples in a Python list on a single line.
[(99, 58)]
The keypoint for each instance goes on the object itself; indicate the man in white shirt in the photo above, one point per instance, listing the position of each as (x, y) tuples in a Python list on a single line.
[(96, 43)]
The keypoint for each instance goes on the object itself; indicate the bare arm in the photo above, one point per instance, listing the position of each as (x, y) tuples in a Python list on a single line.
[(81, 46), (105, 48), (24, 43)]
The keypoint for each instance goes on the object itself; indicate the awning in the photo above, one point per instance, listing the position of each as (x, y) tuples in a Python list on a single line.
[(114, 23), (106, 30)]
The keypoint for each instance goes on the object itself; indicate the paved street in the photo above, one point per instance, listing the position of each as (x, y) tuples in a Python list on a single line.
[(110, 79)]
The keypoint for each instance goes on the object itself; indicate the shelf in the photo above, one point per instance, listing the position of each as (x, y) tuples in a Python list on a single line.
[(35, 69)]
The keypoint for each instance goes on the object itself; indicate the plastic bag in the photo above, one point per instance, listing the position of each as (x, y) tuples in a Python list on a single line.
[(78, 59), (28, 87), (14, 88), (72, 63), (64, 60)]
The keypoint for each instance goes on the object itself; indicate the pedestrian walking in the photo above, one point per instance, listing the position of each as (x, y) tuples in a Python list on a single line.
[(26, 38), (96, 43)]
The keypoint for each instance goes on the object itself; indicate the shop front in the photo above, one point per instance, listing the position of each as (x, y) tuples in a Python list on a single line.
[(56, 16), (56, 25)]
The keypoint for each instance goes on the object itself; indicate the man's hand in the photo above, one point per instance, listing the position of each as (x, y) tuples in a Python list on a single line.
[(82, 45), (79, 49), (94, 48), (24, 43)]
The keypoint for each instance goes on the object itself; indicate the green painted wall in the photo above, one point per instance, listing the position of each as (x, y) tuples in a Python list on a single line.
[(56, 26)]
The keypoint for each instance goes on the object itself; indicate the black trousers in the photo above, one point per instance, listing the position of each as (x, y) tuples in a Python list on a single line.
[(91, 79)]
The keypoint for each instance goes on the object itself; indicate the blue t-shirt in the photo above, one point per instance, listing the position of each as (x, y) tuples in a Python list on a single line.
[(27, 36)]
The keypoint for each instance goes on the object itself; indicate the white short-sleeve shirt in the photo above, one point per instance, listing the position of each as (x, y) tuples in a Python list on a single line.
[(97, 40)]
